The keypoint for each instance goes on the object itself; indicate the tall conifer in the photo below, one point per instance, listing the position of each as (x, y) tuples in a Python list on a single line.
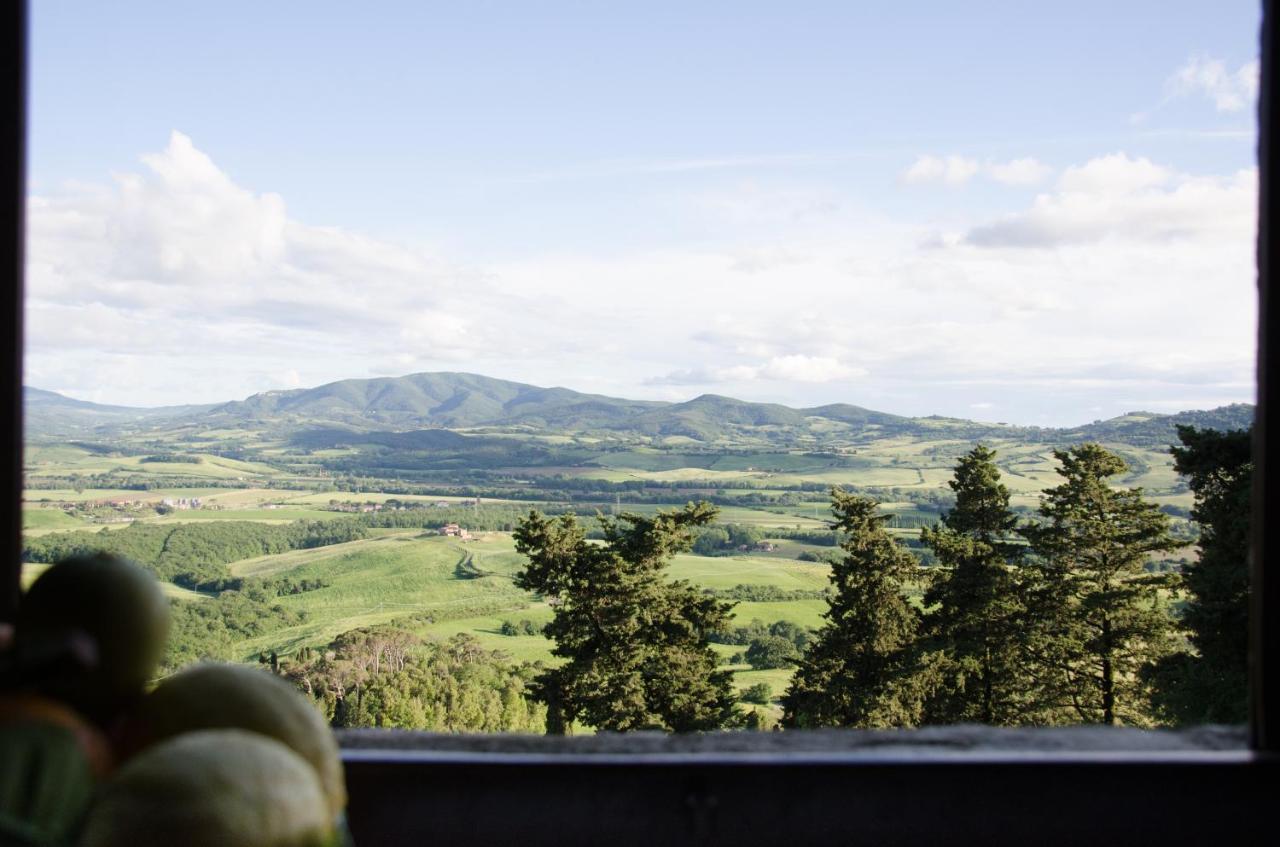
[(973, 620), (856, 672), (636, 646), (1209, 686), (1096, 618)]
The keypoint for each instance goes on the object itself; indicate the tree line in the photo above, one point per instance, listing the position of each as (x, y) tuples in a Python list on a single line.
[(194, 555), (384, 676), (1056, 620)]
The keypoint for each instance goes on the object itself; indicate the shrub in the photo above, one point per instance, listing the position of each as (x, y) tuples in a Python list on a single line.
[(770, 652)]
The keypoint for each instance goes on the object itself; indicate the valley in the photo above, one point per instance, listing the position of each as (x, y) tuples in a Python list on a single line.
[(400, 460)]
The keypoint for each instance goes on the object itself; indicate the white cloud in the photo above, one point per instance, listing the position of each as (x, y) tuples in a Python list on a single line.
[(178, 268), (1021, 172), (958, 170), (786, 368), (707, 376), (1230, 91), (808, 369), (952, 170), (1114, 173), (1119, 198), (176, 284)]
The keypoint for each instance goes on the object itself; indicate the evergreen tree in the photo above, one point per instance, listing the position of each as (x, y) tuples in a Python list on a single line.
[(973, 623), (1211, 685), (856, 671), (1096, 618), (636, 647)]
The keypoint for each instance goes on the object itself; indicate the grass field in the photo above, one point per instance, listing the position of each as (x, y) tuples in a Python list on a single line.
[(325, 497), (405, 574), (728, 571), (260, 515), (42, 519), (31, 570), (806, 613), (744, 515), (383, 579)]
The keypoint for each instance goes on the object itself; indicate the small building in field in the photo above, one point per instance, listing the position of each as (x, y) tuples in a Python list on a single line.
[(455, 531), (451, 529)]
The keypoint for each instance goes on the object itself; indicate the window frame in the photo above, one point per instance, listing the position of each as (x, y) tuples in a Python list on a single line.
[(895, 793)]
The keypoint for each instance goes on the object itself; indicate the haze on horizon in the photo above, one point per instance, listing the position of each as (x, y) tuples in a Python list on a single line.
[(1041, 219)]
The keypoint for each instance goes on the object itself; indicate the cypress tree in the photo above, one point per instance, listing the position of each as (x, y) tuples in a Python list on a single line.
[(1210, 686), (636, 647), (973, 623), (1096, 617), (857, 670)]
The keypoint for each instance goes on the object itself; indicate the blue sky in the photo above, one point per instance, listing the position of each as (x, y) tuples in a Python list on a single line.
[(996, 210)]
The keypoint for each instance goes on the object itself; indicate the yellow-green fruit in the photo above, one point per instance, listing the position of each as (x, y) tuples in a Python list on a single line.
[(116, 604), (213, 696), (212, 789), (46, 782), (24, 709)]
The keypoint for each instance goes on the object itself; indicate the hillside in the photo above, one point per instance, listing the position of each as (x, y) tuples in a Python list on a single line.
[(47, 412), (448, 400), (460, 401)]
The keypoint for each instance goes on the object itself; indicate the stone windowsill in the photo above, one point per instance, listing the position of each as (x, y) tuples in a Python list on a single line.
[(967, 742)]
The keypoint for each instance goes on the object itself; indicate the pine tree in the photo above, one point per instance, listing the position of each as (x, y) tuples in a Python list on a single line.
[(1211, 685), (636, 648), (1096, 617), (973, 623), (857, 671)]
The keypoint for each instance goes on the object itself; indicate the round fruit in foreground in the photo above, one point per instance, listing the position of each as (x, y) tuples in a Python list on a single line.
[(28, 709), (116, 604), (46, 781), (214, 696), (211, 789)]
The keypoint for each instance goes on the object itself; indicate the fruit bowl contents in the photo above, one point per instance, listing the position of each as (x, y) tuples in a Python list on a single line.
[(94, 753)]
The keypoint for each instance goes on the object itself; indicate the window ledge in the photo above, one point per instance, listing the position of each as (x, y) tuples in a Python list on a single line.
[(960, 784), (968, 742)]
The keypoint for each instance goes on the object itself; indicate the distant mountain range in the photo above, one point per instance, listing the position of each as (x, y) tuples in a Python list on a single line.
[(48, 411), (460, 401)]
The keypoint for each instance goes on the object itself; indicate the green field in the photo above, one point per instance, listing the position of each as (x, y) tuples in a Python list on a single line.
[(37, 495), (45, 519), (31, 570), (262, 515), (413, 578), (400, 576), (755, 517), (391, 577), (728, 571)]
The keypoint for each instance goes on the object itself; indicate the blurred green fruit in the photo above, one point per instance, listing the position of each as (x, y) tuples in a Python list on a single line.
[(213, 696), (213, 788), (119, 607)]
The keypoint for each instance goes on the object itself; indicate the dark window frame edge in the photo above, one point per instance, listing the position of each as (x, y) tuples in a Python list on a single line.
[(394, 793)]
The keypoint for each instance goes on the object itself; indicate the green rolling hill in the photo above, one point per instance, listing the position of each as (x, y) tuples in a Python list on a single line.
[(460, 401)]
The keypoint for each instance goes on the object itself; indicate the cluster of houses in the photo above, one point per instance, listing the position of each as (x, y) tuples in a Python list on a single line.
[(397, 505), (134, 503), (455, 531), (342, 506), (104, 504)]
